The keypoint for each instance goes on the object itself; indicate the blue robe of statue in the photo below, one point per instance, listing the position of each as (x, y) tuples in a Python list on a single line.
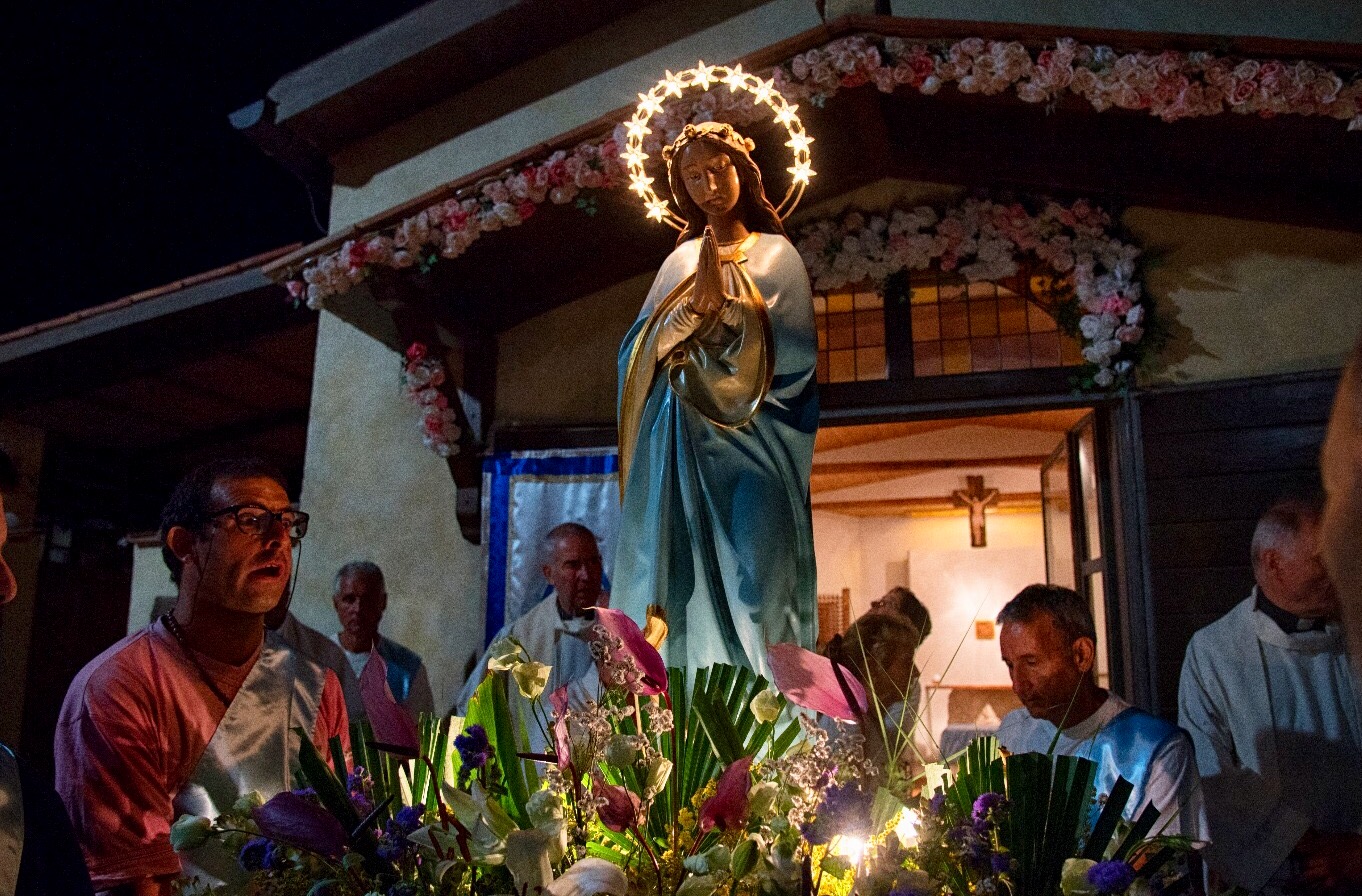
[(717, 419)]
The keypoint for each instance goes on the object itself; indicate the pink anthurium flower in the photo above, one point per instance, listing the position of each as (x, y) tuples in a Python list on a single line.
[(622, 807), (393, 727), (299, 821), (642, 668), (727, 809), (808, 680)]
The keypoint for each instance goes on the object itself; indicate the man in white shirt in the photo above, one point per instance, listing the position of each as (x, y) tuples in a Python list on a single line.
[(556, 630), (1270, 699), (360, 597), (1049, 643)]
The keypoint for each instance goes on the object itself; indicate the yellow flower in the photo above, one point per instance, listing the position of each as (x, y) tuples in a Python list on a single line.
[(531, 678), (766, 706), (655, 627)]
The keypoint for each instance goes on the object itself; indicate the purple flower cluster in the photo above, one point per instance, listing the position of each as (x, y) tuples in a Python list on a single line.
[(845, 810), (1111, 877), (985, 809), (359, 783), (261, 854), (474, 751), (393, 843)]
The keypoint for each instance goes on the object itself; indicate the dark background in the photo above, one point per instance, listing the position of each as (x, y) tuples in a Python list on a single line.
[(124, 171)]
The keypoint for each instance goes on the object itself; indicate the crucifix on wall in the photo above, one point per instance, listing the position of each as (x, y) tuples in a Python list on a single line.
[(976, 498)]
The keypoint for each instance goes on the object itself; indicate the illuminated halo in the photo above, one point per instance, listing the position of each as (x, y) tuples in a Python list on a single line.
[(704, 77)]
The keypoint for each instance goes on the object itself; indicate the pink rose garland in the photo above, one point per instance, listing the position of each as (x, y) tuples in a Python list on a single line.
[(1171, 85), (983, 240), (422, 376)]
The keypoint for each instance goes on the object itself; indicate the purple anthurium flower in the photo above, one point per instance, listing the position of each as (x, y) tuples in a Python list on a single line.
[(393, 727), (622, 807), (644, 672), (808, 680), (301, 822), (727, 809)]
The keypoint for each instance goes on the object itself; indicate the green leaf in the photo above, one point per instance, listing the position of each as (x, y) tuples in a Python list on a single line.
[(489, 708), (744, 858), (338, 759), (330, 791)]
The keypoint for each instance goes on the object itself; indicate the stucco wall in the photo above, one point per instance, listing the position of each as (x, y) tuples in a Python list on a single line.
[(1243, 298), (433, 148), (376, 493), (150, 580), (560, 367)]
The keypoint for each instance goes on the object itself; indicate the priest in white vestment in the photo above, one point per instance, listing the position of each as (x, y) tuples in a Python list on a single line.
[(1270, 699), (1048, 642), (556, 631)]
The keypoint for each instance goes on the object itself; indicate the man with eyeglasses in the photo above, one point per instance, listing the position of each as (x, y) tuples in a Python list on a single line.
[(199, 708)]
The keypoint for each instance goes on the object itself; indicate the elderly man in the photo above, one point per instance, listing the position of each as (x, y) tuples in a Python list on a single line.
[(556, 630), (38, 853), (1271, 701), (201, 707), (1049, 643), (360, 597)]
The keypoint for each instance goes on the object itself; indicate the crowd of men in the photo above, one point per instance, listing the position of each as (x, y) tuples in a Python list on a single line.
[(207, 702)]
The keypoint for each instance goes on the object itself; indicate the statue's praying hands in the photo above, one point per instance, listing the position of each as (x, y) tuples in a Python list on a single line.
[(709, 296)]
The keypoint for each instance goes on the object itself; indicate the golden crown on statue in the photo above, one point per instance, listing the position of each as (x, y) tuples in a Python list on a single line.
[(703, 77)]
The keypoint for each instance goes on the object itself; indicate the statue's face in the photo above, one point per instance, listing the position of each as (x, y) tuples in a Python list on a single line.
[(710, 178)]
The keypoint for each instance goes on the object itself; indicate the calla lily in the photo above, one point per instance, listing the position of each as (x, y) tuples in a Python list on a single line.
[(393, 727), (298, 821), (808, 680), (645, 672), (529, 857), (727, 809), (590, 877), (504, 654), (190, 832), (622, 807), (766, 706), (531, 678)]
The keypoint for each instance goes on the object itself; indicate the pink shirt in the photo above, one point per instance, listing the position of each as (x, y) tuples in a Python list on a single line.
[(133, 726)]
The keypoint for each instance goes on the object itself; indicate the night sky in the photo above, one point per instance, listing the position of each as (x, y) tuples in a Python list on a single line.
[(124, 170)]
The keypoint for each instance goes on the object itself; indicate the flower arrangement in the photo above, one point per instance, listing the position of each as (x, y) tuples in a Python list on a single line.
[(1171, 85), (673, 785), (984, 240), (422, 377)]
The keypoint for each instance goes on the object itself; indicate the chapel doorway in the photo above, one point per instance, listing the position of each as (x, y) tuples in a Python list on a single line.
[(965, 512)]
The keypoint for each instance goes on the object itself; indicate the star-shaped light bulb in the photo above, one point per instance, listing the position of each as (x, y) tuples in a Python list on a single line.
[(637, 128), (736, 79), (672, 85), (648, 104), (800, 173), (799, 142)]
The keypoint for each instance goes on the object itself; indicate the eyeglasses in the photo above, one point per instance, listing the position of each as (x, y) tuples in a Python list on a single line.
[(252, 519)]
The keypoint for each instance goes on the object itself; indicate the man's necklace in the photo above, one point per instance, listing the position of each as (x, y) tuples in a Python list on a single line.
[(177, 633)]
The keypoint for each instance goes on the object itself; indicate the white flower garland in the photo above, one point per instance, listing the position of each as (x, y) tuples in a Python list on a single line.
[(983, 240)]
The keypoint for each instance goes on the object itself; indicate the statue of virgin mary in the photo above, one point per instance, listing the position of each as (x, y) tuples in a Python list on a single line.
[(718, 409)]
